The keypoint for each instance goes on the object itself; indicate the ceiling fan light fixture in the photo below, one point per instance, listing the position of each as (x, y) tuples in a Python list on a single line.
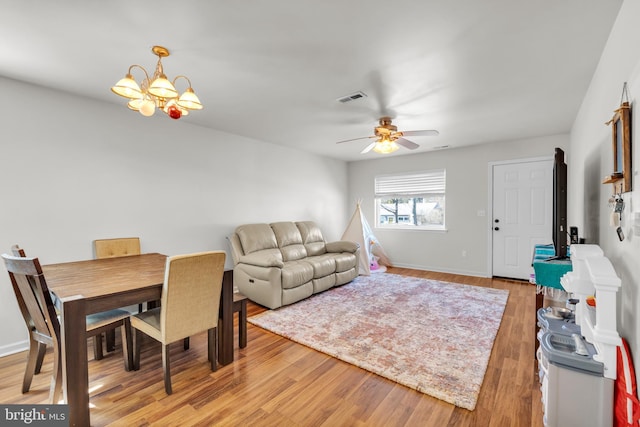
[(385, 146), (388, 139)]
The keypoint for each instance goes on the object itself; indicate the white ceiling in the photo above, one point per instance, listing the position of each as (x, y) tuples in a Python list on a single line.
[(477, 71)]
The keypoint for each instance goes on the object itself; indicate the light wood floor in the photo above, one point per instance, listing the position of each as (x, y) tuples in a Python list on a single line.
[(276, 382)]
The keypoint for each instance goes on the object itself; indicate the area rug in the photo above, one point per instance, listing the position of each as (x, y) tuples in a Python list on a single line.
[(435, 337)]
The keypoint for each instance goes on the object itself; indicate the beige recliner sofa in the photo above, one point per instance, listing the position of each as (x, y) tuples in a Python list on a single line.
[(284, 262)]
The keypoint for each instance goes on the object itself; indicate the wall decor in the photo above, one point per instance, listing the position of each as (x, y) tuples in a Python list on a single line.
[(621, 143)]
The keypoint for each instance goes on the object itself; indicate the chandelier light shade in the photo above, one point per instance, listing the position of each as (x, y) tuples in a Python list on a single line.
[(189, 100), (127, 87), (162, 88), (157, 91)]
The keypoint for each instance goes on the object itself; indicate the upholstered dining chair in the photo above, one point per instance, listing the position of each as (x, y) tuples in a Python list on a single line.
[(122, 246), (39, 313), (112, 248), (190, 304)]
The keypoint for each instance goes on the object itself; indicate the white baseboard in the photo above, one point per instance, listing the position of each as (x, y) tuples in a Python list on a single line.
[(12, 348), (441, 270)]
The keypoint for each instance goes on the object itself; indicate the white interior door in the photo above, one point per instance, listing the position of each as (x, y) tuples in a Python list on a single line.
[(522, 215)]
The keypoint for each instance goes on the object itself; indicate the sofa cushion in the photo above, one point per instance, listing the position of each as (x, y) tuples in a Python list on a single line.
[(323, 283), (289, 296), (312, 238), (293, 252), (256, 237), (323, 265), (286, 233), (344, 261), (289, 240), (296, 273), (346, 276)]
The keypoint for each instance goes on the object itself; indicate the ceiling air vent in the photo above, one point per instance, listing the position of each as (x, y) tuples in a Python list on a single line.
[(352, 97)]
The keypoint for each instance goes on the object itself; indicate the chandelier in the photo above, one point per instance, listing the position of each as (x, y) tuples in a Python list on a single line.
[(157, 91)]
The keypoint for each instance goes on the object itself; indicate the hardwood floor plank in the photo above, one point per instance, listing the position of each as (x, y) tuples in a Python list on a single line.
[(277, 382)]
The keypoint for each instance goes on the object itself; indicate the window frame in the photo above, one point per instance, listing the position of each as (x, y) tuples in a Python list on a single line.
[(410, 185)]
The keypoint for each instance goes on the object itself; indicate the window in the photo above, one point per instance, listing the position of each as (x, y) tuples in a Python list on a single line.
[(411, 201)]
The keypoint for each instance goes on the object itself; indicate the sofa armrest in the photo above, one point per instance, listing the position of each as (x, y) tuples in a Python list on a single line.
[(266, 258), (236, 248), (342, 246)]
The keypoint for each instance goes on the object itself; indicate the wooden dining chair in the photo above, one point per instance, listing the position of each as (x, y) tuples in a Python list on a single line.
[(98, 353), (37, 349), (190, 305), (40, 316)]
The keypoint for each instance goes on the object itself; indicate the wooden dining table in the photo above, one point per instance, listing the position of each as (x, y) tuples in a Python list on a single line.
[(92, 286)]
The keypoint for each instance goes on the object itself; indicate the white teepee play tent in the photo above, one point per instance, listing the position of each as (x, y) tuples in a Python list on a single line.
[(372, 255)]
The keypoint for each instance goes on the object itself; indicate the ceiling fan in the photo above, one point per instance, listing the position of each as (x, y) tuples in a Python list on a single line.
[(388, 138)]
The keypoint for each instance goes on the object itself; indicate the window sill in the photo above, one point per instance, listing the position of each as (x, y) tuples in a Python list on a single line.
[(437, 230)]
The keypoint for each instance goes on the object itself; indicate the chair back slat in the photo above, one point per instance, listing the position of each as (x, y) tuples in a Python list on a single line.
[(28, 280), (17, 252), (191, 294)]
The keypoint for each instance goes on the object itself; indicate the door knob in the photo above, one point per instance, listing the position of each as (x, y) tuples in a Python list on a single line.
[(496, 221), (497, 228)]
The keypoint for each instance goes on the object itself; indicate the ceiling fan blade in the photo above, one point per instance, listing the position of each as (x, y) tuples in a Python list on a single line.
[(420, 133), (356, 139), (368, 148), (407, 144)]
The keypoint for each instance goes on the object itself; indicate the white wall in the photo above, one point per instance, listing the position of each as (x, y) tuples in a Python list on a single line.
[(467, 193), (591, 159), (75, 170)]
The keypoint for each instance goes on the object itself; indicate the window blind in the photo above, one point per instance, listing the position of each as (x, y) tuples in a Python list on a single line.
[(410, 185)]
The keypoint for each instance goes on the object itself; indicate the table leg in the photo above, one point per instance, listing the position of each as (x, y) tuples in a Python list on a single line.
[(225, 320), (539, 304), (75, 371), (242, 324)]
